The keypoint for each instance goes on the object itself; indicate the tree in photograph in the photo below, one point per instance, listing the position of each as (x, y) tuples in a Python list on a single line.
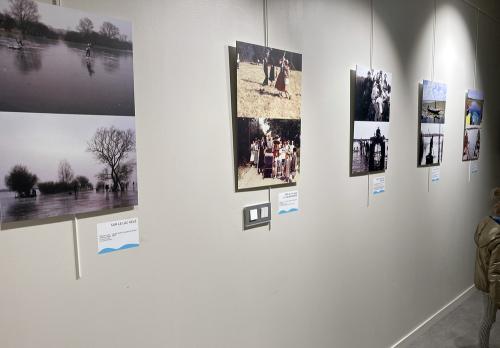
[(20, 180), (65, 172), (24, 12), (109, 30), (111, 146), (84, 182), (85, 26)]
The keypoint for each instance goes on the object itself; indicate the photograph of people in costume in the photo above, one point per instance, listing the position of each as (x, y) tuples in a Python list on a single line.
[(269, 82), (370, 147), (473, 118), (268, 152), (373, 95)]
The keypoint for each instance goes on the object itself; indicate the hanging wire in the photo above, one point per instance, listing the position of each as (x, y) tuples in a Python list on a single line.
[(477, 44), (371, 34), (434, 42), (266, 24)]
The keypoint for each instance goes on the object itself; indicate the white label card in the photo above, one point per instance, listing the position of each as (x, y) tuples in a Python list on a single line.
[(117, 235), (379, 185), (288, 202), (435, 174), (474, 167)]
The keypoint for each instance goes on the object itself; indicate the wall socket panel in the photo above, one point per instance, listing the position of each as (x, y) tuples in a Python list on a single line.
[(256, 215)]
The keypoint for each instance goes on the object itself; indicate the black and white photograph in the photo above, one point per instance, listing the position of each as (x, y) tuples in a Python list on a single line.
[(64, 61), (370, 147), (268, 152), (430, 149), (433, 103), (373, 95), (269, 82), (472, 144), (59, 165)]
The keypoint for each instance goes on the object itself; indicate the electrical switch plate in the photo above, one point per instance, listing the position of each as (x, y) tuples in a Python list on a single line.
[(256, 215)]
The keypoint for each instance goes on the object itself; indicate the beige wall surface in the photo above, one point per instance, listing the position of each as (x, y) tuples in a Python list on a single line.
[(337, 273)]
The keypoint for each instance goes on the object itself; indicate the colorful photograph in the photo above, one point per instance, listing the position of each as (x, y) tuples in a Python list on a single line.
[(430, 150), (269, 82), (80, 164), (268, 152), (433, 103), (373, 95), (63, 61), (474, 102), (472, 143), (370, 147)]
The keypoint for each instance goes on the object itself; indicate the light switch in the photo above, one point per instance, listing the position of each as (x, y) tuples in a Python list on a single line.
[(264, 212), (253, 215)]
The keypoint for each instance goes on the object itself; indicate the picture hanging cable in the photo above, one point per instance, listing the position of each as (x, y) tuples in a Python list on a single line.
[(266, 24), (477, 44), (434, 41), (371, 34), (78, 268)]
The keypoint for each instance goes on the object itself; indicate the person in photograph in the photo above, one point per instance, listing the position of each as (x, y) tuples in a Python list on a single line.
[(466, 145), (284, 79), (272, 72), (477, 146), (266, 68), (260, 162), (88, 51)]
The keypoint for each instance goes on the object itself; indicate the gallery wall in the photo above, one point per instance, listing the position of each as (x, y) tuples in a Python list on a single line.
[(347, 270)]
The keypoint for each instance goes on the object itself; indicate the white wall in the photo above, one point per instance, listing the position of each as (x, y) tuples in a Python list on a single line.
[(336, 274)]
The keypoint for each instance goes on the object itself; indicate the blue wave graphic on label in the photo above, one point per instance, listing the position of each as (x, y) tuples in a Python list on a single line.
[(287, 211), (126, 246)]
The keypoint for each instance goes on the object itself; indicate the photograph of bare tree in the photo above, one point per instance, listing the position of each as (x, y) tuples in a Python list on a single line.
[(82, 164), (65, 61)]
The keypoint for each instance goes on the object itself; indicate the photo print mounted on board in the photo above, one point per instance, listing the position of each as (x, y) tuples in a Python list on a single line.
[(269, 95), (474, 102), (67, 114), (431, 123), (370, 138)]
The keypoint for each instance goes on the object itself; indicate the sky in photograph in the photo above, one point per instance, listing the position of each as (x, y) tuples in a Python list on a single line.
[(475, 94), (367, 129), (65, 18), (41, 141), (433, 91), (432, 128)]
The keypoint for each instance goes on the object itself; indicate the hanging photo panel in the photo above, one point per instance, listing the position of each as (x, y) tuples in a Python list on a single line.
[(431, 123), (67, 114), (268, 110), (473, 118), (370, 138)]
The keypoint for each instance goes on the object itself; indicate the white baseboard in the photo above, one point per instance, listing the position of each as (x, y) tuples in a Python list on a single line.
[(448, 308)]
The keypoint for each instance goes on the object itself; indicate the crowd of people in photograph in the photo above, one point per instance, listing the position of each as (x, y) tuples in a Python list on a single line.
[(274, 158), (376, 96)]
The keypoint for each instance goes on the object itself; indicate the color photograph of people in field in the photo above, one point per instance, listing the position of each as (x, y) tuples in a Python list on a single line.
[(268, 121), (269, 82)]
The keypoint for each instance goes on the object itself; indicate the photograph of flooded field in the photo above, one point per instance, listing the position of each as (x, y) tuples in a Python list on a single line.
[(370, 147), (430, 148), (268, 152), (65, 61), (433, 103), (269, 82), (373, 95), (79, 164), (472, 144)]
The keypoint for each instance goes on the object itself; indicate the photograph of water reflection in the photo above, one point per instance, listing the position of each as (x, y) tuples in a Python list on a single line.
[(59, 60)]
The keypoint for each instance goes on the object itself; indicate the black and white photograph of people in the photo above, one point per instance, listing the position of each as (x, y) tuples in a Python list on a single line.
[(370, 147), (269, 82), (373, 95), (268, 152)]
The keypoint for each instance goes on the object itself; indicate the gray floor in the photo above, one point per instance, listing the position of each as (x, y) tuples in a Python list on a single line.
[(459, 329)]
